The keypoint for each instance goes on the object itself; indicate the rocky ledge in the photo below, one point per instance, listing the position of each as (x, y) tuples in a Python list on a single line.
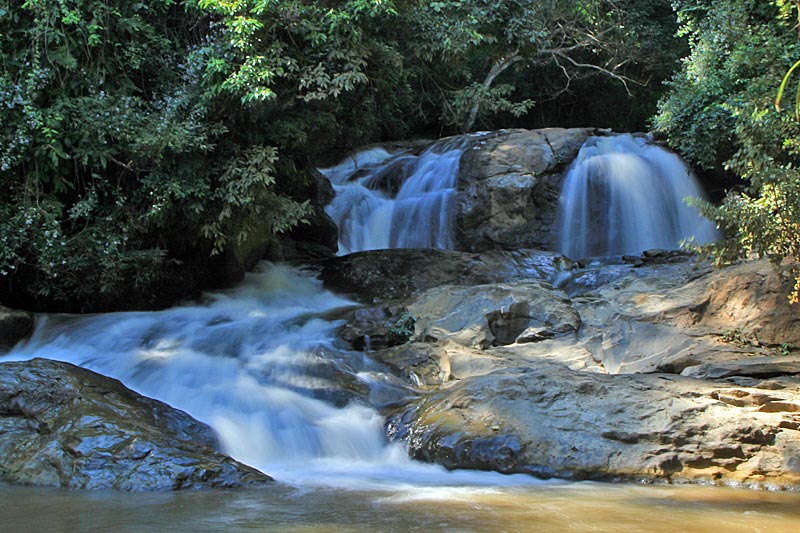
[(61, 425), (653, 368), (550, 421)]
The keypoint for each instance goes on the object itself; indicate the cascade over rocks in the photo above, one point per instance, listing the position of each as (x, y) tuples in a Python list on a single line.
[(62, 425)]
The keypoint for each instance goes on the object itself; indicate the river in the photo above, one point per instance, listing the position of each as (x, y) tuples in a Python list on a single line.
[(549, 507)]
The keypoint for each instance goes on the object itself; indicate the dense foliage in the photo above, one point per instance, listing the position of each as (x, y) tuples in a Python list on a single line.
[(720, 111), (140, 138)]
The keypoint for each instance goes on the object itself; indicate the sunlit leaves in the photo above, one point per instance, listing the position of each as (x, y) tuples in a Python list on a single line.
[(720, 108)]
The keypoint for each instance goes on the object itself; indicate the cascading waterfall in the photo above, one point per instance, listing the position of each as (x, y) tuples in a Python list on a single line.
[(624, 195), (260, 365), (398, 200)]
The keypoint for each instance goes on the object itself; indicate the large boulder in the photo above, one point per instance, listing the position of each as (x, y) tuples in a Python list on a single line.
[(482, 316), (550, 421), (509, 187), (62, 425)]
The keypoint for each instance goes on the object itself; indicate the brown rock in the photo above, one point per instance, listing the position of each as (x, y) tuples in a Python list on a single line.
[(550, 421), (509, 188)]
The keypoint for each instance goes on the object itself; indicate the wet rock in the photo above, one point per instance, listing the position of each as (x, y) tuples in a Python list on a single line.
[(61, 425), (382, 275), (14, 326), (481, 316), (550, 421), (509, 188)]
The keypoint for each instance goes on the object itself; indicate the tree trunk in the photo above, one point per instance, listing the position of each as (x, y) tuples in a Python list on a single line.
[(498, 68)]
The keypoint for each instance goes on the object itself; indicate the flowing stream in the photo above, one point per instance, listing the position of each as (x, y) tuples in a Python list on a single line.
[(260, 365)]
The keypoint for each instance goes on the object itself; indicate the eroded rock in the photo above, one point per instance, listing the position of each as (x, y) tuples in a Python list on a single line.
[(550, 421), (62, 425), (509, 187), (481, 316)]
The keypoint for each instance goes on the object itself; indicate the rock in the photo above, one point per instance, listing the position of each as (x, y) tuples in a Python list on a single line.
[(375, 328), (318, 237), (758, 367), (550, 421), (749, 300), (382, 275), (62, 425), (14, 326), (430, 364), (509, 188), (481, 316)]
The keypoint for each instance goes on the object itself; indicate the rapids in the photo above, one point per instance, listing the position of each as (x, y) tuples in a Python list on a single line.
[(260, 365)]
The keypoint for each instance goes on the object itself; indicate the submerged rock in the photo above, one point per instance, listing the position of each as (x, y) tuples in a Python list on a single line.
[(62, 425)]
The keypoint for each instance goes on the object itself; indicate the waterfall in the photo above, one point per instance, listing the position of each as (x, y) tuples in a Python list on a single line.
[(396, 200), (260, 365), (249, 363), (624, 195)]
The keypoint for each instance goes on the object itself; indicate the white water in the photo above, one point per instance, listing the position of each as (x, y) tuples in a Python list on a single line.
[(624, 195), (251, 363), (396, 200)]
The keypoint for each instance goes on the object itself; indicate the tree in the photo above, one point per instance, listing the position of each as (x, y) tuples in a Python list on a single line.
[(719, 111), (479, 41)]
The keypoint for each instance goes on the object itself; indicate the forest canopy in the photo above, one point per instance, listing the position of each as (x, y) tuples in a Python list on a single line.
[(140, 139)]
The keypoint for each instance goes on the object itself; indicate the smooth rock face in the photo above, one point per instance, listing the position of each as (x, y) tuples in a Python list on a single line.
[(481, 316), (14, 326), (61, 425), (509, 187), (550, 421), (599, 396)]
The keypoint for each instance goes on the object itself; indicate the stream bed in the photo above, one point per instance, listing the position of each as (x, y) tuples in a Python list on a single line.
[(550, 507)]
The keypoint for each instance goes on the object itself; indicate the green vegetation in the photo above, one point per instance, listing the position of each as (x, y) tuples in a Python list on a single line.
[(143, 142), (138, 140), (719, 112)]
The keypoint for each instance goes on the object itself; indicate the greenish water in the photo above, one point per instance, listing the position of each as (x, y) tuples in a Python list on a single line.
[(549, 507)]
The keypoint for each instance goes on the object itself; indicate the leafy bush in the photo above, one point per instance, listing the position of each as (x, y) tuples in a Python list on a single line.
[(719, 111)]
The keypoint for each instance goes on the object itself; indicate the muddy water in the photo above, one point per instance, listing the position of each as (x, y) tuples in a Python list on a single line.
[(550, 507)]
